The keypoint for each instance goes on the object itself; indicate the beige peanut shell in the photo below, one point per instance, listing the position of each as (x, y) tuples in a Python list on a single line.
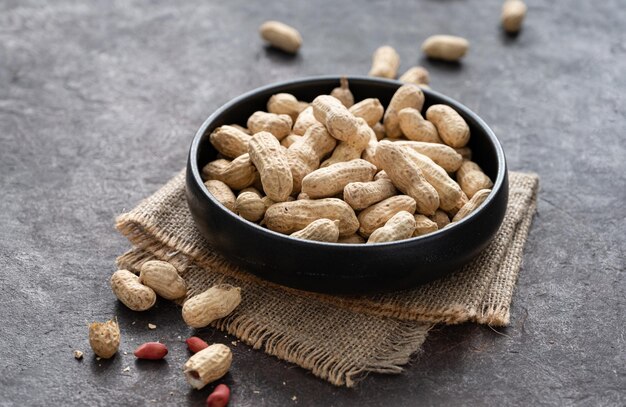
[(104, 338), (407, 176), (351, 148), (238, 174), (289, 217), (221, 192), (285, 103), (443, 155), (290, 140), (360, 195), (370, 109), (416, 128), (513, 13), (163, 278), (352, 239), (424, 225), (440, 218), (272, 163), (250, 205), (329, 181), (320, 230), (341, 124), (417, 75), (208, 365), (129, 290), (478, 198), (445, 47), (230, 141), (465, 152), (399, 227), (451, 127), (304, 156), (342, 93), (281, 36), (379, 130), (376, 215), (408, 95), (210, 305), (305, 119), (385, 63), (277, 124), (471, 178)]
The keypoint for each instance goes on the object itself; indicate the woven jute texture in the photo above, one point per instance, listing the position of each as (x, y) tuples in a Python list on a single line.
[(337, 338)]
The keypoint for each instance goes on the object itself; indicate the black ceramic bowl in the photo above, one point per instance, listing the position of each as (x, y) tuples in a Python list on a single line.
[(344, 268)]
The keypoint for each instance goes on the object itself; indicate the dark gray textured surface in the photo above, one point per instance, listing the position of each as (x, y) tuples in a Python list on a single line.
[(98, 102)]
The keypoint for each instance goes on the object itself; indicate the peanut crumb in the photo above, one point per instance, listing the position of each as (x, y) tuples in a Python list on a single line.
[(126, 369), (234, 343), (294, 398), (78, 355), (151, 326)]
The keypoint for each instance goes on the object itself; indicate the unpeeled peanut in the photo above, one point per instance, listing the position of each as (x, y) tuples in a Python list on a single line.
[(277, 124), (451, 127), (445, 47), (163, 278), (238, 174), (210, 305), (443, 155), (376, 215), (379, 130), (305, 119), (471, 178), (417, 75), (272, 163), (289, 140), (370, 109), (360, 195), (352, 147), (104, 338), (401, 226), (407, 176), (208, 365), (440, 218), (221, 192), (129, 290), (285, 103), (305, 155), (250, 205), (320, 230), (342, 93), (478, 198), (513, 13), (416, 128), (281, 36), (424, 225), (289, 217), (341, 124), (329, 181), (385, 63), (230, 141), (408, 95), (352, 239)]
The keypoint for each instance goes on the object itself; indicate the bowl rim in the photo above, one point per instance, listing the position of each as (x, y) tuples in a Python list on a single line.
[(196, 172)]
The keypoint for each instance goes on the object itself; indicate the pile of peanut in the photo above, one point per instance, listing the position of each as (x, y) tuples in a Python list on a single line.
[(336, 171)]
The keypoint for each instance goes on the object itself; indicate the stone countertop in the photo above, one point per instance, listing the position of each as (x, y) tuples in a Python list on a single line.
[(99, 102)]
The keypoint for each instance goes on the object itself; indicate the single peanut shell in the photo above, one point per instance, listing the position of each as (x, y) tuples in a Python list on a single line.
[(440, 218), (416, 128), (278, 125), (401, 226), (513, 13), (250, 205), (281, 36), (321, 230), (163, 278), (271, 161), (305, 119), (378, 214), (221, 192), (465, 152), (304, 156), (208, 365), (238, 174), (329, 181), (214, 303), (417, 75), (478, 198), (351, 148), (230, 141), (451, 127), (471, 178), (379, 130), (424, 225), (289, 217), (408, 95), (371, 110), (341, 124), (385, 63), (129, 290), (342, 93), (104, 338), (443, 155), (285, 103), (360, 195), (445, 47)]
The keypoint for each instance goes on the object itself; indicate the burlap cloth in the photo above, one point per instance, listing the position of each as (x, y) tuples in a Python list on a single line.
[(339, 339)]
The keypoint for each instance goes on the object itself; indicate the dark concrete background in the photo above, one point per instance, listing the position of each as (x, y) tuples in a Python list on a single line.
[(99, 101)]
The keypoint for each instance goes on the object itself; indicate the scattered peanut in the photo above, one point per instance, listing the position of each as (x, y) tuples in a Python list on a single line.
[(289, 217), (286, 103), (272, 163), (471, 178), (329, 181), (196, 344), (452, 129), (376, 215), (214, 303), (321, 230), (281, 36), (151, 351), (445, 47), (230, 141), (408, 95), (221, 192), (513, 13), (341, 124), (129, 290), (478, 198), (104, 338), (370, 109), (424, 225), (385, 63), (417, 75), (163, 278), (342, 93), (416, 128), (208, 365), (219, 397), (400, 226)]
